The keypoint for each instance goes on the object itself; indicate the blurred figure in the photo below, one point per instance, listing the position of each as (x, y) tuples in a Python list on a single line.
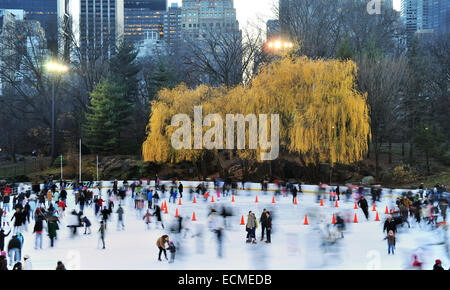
[(362, 203), (438, 265), (269, 226), (263, 222), (60, 266), (172, 249), (219, 235), (416, 264), (251, 228), (27, 265)]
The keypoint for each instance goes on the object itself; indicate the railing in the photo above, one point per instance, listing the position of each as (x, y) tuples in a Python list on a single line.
[(24, 167)]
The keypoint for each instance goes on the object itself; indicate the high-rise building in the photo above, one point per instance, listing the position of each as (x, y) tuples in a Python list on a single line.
[(201, 18), (144, 19), (96, 24), (44, 11), (425, 17), (172, 26)]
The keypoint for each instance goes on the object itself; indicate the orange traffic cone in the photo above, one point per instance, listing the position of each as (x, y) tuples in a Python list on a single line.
[(212, 198), (333, 221), (374, 209), (393, 210), (321, 202), (336, 205), (256, 200), (193, 216), (356, 205), (165, 205), (162, 205), (232, 198), (179, 201), (295, 201), (306, 220), (194, 200), (355, 220), (377, 218), (273, 199), (387, 211), (390, 211), (242, 220), (176, 213), (165, 210)]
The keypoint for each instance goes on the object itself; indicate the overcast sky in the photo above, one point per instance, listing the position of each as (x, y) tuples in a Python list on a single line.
[(254, 11)]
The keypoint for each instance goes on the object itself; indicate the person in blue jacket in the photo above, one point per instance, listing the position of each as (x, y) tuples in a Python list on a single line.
[(150, 198)]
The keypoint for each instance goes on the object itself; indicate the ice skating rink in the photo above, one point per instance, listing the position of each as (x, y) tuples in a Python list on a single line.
[(294, 245)]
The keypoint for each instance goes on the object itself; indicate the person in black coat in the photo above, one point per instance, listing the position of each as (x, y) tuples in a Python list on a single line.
[(294, 193), (338, 191), (18, 219), (14, 247), (389, 225), (438, 266), (269, 226), (2, 238), (180, 190), (157, 213), (263, 222), (362, 203)]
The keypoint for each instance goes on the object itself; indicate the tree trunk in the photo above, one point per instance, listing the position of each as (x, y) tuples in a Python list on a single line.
[(403, 149), (410, 150)]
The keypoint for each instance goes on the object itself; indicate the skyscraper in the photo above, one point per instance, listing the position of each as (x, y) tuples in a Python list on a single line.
[(144, 19), (172, 25), (96, 24), (44, 11), (201, 18), (425, 16)]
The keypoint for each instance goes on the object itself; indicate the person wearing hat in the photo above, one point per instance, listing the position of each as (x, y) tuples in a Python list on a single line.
[(27, 263), (60, 266), (438, 265)]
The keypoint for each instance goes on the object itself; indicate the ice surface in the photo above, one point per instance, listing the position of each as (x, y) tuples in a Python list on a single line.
[(294, 245)]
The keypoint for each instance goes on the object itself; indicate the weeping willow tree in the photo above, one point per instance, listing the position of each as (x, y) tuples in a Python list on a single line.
[(323, 118)]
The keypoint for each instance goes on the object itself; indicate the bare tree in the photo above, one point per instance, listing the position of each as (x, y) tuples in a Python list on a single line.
[(224, 59)]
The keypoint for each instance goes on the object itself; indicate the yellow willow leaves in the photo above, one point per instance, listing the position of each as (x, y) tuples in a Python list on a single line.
[(322, 116)]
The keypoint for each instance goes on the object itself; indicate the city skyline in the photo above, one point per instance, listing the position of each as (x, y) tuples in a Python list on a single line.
[(255, 11)]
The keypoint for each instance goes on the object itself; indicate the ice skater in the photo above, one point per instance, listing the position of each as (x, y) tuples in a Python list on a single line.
[(391, 242)]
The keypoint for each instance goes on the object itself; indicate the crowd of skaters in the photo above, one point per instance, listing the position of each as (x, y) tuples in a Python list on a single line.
[(48, 207)]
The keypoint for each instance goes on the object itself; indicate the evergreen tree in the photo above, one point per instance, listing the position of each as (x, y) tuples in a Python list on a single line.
[(109, 113), (163, 76)]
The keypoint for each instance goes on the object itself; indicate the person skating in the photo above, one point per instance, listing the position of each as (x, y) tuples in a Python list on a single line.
[(269, 227), (120, 223), (52, 227), (105, 214), (157, 213), (2, 238), (14, 250), (389, 225), (180, 189), (87, 225), (172, 249), (60, 266), (101, 230), (263, 222), (438, 265), (251, 228), (160, 243), (146, 218), (391, 242), (362, 203), (37, 230), (18, 220)]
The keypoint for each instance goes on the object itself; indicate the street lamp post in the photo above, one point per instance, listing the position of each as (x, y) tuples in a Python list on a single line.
[(54, 68)]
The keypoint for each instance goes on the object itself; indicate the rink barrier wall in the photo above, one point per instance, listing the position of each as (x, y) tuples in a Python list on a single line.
[(306, 188)]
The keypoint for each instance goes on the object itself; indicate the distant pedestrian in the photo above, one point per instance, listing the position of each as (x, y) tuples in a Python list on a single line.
[(101, 230), (172, 250), (60, 266)]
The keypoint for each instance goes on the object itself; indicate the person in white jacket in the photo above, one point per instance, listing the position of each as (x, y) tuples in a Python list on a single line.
[(27, 263)]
